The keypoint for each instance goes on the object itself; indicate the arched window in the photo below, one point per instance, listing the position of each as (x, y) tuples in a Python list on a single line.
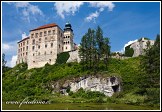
[(59, 45)]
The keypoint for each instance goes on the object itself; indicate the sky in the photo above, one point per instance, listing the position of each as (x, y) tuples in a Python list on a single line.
[(121, 22)]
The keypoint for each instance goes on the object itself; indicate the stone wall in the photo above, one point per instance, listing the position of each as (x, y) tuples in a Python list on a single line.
[(74, 56), (106, 85)]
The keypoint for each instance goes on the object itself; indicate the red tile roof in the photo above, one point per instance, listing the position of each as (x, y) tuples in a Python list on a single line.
[(45, 26), (23, 39)]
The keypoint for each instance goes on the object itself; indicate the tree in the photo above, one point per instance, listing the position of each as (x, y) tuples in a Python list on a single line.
[(93, 48), (3, 60), (129, 51), (149, 79)]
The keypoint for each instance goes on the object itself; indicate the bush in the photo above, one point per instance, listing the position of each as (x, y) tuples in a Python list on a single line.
[(62, 57)]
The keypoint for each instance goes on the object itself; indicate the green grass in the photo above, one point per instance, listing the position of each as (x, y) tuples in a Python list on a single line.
[(19, 83)]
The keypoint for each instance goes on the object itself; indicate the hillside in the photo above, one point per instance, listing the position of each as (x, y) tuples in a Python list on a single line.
[(19, 83)]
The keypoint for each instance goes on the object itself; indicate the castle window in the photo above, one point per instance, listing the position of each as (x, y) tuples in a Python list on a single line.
[(26, 53), (36, 35), (26, 47), (19, 45), (59, 45), (49, 60), (33, 54), (23, 43), (46, 46), (64, 42), (68, 36), (49, 32), (51, 52), (40, 34), (33, 47), (38, 46), (45, 33), (27, 42), (45, 53), (46, 38), (68, 42), (51, 44), (32, 35), (66, 47), (33, 41), (23, 48), (53, 32), (33, 61), (23, 54), (39, 39)]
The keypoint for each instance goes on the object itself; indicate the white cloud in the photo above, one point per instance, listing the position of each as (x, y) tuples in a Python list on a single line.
[(24, 35), (101, 6), (123, 49), (13, 61), (92, 16), (66, 8), (130, 42), (9, 48), (6, 46), (27, 10), (108, 5)]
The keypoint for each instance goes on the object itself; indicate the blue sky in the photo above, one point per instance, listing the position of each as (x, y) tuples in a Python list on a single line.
[(122, 22)]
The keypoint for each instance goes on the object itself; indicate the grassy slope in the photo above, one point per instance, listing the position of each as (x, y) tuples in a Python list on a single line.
[(19, 83)]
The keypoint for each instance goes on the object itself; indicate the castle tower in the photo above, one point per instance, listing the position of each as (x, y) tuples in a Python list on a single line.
[(68, 38)]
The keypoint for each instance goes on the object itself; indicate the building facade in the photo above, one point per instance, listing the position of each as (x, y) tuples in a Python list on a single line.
[(140, 45), (22, 52), (44, 43)]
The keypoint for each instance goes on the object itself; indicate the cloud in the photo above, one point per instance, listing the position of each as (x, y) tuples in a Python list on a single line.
[(9, 48), (13, 61), (67, 8), (108, 5), (92, 16), (24, 35), (123, 49), (27, 10), (101, 6), (6, 46)]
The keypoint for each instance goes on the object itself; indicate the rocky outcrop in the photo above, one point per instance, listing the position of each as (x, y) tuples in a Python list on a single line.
[(106, 85)]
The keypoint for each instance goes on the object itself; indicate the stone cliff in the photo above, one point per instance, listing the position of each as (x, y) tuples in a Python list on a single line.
[(106, 85)]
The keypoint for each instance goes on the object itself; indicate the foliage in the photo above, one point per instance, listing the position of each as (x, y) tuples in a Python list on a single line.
[(62, 57), (87, 94), (93, 48), (129, 51), (150, 72)]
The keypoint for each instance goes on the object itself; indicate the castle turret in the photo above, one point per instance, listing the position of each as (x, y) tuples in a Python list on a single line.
[(68, 38)]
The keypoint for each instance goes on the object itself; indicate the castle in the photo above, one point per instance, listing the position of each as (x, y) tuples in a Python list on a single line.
[(44, 43), (140, 45)]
